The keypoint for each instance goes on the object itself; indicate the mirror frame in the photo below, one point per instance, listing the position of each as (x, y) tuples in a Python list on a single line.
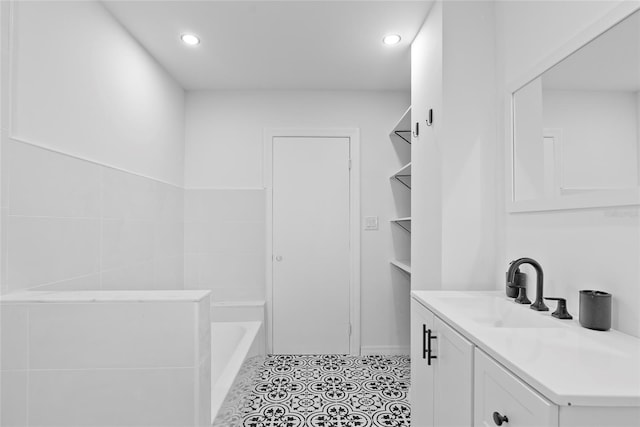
[(622, 197)]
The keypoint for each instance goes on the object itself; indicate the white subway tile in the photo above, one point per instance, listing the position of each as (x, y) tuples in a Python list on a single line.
[(14, 323), (204, 393), (169, 272), (229, 276), (132, 277), (241, 269), (126, 242), (128, 196), (3, 250), (170, 203), (204, 329), (4, 169), (220, 205), (46, 250), (112, 335), (45, 183), (192, 270), (13, 398), (112, 397), (242, 236), (208, 237), (197, 236), (169, 238)]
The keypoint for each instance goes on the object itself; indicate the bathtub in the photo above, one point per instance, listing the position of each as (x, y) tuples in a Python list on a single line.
[(232, 343), (237, 338)]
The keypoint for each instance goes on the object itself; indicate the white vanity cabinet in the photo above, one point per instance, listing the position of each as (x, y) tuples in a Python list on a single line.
[(441, 372), (502, 399), (478, 359)]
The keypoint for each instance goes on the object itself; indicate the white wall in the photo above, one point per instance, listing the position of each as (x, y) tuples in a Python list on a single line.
[(453, 160), (468, 145), (93, 156), (578, 249), (528, 155), (224, 149), (83, 86)]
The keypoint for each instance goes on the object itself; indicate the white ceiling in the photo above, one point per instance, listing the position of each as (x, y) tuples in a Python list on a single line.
[(317, 45)]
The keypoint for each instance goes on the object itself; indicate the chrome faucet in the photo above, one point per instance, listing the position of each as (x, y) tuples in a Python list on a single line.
[(538, 304)]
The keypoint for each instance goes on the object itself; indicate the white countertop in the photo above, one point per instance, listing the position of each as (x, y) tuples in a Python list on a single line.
[(104, 296), (568, 364)]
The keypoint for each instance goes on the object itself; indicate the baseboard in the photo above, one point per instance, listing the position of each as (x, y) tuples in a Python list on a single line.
[(390, 350)]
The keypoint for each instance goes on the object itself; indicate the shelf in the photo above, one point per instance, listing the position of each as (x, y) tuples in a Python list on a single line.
[(402, 129), (403, 175), (403, 222), (404, 265)]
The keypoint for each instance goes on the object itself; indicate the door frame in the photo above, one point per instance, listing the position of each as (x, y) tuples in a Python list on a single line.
[(354, 222)]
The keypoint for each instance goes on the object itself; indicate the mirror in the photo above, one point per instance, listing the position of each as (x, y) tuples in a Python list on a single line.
[(576, 127)]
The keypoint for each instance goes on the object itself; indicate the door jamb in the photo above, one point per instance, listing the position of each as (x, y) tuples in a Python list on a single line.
[(354, 222)]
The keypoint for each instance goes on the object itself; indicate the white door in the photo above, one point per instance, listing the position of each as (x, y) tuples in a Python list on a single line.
[(310, 245)]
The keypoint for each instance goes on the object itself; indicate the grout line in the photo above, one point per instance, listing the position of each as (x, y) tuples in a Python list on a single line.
[(213, 188), (82, 218), (99, 217), (59, 281), (101, 237)]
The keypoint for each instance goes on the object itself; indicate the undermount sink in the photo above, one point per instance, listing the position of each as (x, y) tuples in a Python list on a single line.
[(498, 312)]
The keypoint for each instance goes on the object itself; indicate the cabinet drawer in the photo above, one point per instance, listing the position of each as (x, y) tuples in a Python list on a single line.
[(496, 390)]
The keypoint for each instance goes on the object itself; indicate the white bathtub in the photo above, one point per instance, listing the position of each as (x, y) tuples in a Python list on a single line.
[(232, 343)]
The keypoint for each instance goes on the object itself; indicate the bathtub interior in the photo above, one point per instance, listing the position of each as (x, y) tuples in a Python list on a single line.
[(237, 336)]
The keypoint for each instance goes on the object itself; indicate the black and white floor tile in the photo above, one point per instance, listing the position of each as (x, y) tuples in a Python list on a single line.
[(323, 391)]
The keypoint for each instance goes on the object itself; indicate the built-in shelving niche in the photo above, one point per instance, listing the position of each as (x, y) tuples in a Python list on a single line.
[(404, 265), (403, 222), (400, 136), (402, 129), (403, 175)]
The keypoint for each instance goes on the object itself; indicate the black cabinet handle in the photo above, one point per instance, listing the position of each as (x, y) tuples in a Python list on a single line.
[(424, 341), (426, 344), (429, 338), (499, 419)]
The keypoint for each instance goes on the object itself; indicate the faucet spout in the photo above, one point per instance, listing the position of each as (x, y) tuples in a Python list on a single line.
[(538, 304)]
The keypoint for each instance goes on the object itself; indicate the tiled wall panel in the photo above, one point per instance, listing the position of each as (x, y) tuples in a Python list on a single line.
[(71, 224), (224, 238), (105, 363)]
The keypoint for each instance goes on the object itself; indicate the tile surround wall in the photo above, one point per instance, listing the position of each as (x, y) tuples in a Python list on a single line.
[(86, 226), (225, 242), (62, 362)]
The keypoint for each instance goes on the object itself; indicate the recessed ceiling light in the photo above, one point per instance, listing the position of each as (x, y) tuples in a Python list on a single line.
[(391, 39), (190, 39)]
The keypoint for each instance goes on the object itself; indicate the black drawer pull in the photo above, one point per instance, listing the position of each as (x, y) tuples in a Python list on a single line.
[(499, 419)]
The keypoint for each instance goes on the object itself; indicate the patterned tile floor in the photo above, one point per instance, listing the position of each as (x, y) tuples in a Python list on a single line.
[(321, 391)]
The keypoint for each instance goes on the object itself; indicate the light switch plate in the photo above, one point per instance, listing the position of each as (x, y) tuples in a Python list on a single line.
[(370, 222)]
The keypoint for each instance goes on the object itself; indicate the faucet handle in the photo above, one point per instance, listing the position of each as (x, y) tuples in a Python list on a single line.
[(561, 310)]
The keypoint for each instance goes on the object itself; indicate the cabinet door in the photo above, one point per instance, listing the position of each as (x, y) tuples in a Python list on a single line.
[(421, 373), (453, 383), (499, 392)]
